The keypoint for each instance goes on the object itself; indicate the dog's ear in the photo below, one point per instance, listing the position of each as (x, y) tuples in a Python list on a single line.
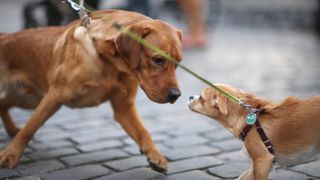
[(106, 47), (179, 35), (222, 103), (129, 48), (256, 102)]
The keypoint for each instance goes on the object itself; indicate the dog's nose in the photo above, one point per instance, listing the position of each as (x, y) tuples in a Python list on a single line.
[(173, 95), (191, 98)]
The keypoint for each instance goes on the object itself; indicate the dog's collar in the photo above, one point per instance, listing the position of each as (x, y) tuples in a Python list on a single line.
[(266, 141)]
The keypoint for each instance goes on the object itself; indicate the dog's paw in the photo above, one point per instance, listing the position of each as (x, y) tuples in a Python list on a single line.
[(10, 156), (157, 161)]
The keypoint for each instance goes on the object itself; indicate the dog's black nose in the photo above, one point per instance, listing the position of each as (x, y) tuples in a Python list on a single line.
[(191, 98), (173, 95)]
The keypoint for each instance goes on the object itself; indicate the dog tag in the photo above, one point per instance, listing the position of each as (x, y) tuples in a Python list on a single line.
[(251, 118)]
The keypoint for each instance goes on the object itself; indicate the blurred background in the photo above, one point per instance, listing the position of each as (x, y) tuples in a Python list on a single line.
[(270, 48)]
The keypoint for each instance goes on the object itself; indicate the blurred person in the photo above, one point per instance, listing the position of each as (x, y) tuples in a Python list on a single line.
[(196, 37), (141, 6)]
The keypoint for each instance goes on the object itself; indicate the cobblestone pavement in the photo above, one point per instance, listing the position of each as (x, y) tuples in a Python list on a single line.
[(89, 144)]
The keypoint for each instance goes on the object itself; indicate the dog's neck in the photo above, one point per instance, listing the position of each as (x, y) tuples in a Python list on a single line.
[(235, 124)]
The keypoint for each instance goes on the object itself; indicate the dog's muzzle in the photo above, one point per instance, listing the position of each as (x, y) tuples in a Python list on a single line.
[(173, 95), (192, 98)]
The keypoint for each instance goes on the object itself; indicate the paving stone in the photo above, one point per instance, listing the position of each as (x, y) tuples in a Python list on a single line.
[(287, 175), (128, 163), (85, 138), (78, 173), (228, 145), (194, 128), (191, 175), (185, 141), (134, 149), (181, 153), (91, 124), (193, 163), (155, 138), (48, 154), (51, 144), (93, 157), (134, 174), (7, 173), (28, 178), (25, 159), (52, 136), (98, 145), (219, 135), (234, 156), (311, 168), (158, 128), (228, 171), (40, 167)]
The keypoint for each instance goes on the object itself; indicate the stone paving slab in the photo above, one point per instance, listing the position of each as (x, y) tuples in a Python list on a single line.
[(134, 174), (128, 163), (40, 167), (78, 173), (188, 152), (311, 168), (191, 175), (229, 171), (193, 163), (93, 157)]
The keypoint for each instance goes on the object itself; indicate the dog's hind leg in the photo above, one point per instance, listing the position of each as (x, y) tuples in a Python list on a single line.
[(50, 103), (10, 126)]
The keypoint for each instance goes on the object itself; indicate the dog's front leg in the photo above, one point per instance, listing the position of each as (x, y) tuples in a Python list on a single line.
[(48, 105), (262, 166), (247, 175), (126, 114)]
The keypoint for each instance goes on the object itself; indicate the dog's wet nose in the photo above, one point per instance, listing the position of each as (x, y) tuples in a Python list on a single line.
[(173, 95), (191, 98)]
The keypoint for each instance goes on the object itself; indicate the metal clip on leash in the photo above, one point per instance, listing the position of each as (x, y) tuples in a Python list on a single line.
[(82, 11), (252, 115)]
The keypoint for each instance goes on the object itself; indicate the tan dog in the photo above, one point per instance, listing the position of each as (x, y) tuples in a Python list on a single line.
[(292, 125), (46, 68)]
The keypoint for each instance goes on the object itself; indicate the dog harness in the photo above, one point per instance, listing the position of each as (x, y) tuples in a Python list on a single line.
[(253, 119)]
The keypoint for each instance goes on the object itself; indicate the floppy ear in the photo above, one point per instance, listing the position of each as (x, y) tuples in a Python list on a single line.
[(222, 103), (179, 35), (129, 48), (105, 48), (257, 102)]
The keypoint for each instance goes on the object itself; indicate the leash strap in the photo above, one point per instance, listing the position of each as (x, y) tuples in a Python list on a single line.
[(266, 141), (82, 11)]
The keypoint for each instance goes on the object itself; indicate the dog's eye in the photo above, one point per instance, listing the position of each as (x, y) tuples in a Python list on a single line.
[(159, 60)]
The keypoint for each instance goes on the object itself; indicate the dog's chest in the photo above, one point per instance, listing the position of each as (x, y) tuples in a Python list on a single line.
[(90, 94)]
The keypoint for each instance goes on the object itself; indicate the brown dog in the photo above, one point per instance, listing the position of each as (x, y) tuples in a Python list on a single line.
[(292, 125), (79, 67)]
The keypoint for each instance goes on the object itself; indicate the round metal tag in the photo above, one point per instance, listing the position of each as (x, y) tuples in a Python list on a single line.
[(251, 118)]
